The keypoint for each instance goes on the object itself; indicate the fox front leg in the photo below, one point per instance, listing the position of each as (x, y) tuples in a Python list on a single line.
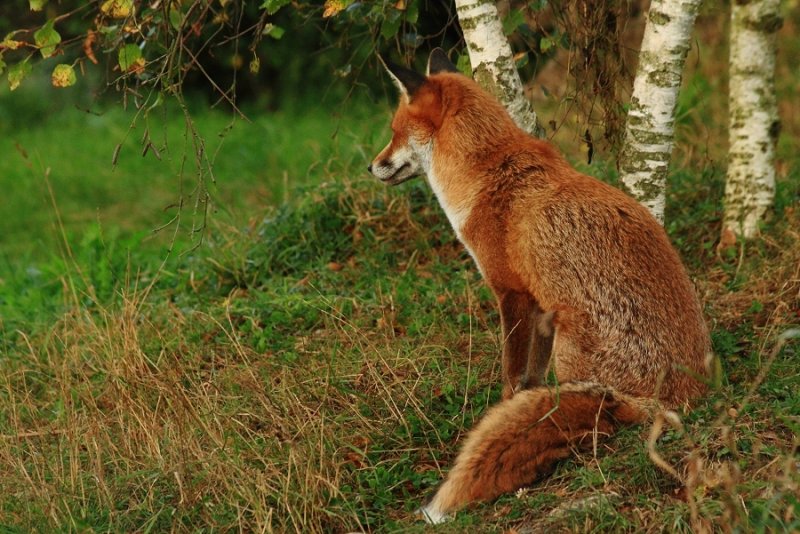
[(541, 349), (525, 352)]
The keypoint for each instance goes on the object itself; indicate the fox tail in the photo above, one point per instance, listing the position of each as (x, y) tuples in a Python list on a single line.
[(521, 438)]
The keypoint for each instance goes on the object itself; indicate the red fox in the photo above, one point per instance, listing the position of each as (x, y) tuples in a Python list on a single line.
[(585, 278)]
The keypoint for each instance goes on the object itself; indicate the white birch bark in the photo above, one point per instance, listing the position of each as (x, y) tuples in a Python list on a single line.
[(493, 62), (649, 131), (754, 125)]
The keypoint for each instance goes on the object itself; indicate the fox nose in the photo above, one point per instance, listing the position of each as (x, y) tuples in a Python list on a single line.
[(369, 168)]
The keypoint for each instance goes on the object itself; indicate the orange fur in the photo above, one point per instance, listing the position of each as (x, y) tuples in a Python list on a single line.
[(520, 439), (585, 278)]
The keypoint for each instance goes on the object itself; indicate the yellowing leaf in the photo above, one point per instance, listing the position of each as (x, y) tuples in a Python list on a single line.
[(37, 5), (11, 44), (255, 65), (118, 9), (63, 76), (332, 8), (17, 73), (47, 39), (130, 58)]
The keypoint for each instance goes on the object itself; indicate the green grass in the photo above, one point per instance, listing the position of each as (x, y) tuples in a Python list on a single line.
[(314, 365), (57, 163), (316, 371)]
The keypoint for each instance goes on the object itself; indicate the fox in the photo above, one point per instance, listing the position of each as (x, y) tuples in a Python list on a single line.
[(586, 280)]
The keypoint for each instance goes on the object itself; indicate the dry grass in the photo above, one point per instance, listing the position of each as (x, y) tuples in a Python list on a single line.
[(145, 414)]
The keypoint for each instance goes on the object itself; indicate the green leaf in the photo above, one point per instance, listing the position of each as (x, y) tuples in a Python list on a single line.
[(63, 76), (391, 24), (412, 12), (128, 56), (464, 65), (175, 19), (546, 43), (272, 6), (276, 32), (47, 38), (512, 21), (17, 73), (2, 65), (37, 5)]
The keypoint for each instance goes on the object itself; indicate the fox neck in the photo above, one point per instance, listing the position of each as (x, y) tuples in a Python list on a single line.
[(455, 176), (456, 200), (455, 157), (452, 181)]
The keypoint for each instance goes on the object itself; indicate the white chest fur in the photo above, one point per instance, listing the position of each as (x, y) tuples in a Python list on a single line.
[(458, 210)]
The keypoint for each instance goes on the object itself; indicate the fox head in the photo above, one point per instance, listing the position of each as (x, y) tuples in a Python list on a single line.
[(418, 116)]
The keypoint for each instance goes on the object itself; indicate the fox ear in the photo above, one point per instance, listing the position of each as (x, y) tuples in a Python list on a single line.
[(407, 80), (439, 62)]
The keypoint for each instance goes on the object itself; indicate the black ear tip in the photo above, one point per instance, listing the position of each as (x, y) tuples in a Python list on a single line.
[(408, 80), (439, 62), (438, 54)]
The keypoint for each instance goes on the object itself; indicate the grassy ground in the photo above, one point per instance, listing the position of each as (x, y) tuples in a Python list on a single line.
[(313, 366)]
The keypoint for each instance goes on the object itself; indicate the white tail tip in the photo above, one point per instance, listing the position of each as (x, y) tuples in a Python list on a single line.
[(432, 515)]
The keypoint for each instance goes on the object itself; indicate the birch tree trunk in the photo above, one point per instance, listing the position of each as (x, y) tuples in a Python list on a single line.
[(649, 131), (493, 62), (754, 125)]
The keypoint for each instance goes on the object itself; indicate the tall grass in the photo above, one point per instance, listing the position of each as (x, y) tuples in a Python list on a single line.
[(240, 400)]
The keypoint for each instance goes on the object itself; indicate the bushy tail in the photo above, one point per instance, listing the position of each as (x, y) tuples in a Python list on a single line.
[(521, 438)]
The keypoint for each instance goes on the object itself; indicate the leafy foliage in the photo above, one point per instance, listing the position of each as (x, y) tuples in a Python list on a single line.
[(159, 46)]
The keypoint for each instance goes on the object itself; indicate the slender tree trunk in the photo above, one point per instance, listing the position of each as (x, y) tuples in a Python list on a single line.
[(492, 60), (754, 125), (649, 132)]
